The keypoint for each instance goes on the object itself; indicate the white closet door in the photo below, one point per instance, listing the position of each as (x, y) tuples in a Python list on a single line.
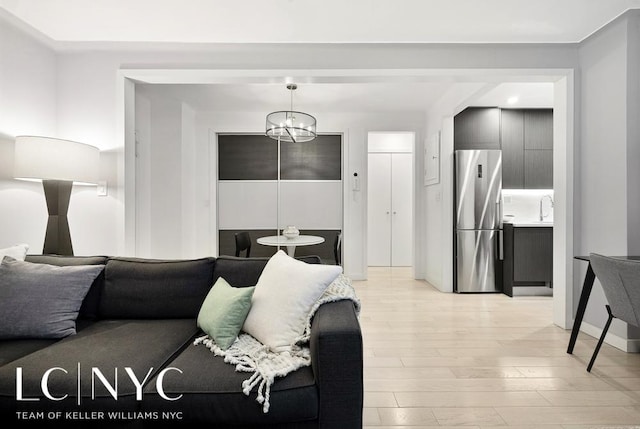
[(379, 210), (401, 210)]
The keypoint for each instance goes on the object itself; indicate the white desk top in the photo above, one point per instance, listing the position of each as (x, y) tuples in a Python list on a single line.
[(281, 240)]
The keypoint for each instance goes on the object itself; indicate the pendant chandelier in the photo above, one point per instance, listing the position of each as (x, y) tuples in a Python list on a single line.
[(289, 125)]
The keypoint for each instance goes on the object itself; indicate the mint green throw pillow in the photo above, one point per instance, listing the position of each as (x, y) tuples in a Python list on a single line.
[(224, 311)]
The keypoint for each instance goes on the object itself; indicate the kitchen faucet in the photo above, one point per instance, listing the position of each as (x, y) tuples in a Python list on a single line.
[(542, 215)]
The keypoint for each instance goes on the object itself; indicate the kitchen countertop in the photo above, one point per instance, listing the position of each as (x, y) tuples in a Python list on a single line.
[(529, 224)]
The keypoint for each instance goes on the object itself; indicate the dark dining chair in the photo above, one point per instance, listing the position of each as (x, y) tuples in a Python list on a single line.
[(620, 280), (243, 242), (337, 248)]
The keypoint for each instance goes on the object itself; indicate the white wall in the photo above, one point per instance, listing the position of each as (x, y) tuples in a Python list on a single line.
[(32, 90), (27, 84), (608, 104), (166, 176), (189, 180), (27, 106)]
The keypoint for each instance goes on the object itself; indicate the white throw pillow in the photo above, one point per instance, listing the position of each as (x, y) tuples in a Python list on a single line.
[(284, 295), (17, 252)]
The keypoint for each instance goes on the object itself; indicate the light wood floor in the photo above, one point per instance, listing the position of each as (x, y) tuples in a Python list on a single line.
[(435, 360)]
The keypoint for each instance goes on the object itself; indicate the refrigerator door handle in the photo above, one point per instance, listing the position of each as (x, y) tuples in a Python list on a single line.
[(500, 232)]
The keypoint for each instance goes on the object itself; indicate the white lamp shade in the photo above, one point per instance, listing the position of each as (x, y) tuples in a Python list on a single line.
[(46, 158)]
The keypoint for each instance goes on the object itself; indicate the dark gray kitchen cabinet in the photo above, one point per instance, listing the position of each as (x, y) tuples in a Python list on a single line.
[(538, 129), (512, 135), (528, 257), (538, 169), (527, 148), (477, 128)]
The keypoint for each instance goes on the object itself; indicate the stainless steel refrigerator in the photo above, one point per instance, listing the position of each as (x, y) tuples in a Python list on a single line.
[(478, 235)]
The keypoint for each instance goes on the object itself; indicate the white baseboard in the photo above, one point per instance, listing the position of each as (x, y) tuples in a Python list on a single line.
[(626, 345), (356, 276)]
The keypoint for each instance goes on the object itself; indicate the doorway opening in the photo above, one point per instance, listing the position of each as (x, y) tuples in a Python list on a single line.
[(433, 205), (390, 199)]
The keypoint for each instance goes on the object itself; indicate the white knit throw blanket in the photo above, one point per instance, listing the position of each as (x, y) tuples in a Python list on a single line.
[(249, 355)]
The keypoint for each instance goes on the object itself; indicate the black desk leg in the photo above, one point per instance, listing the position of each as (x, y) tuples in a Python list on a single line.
[(582, 306)]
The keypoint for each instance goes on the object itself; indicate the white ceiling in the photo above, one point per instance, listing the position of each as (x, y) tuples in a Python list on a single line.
[(351, 97), (318, 21), (514, 95)]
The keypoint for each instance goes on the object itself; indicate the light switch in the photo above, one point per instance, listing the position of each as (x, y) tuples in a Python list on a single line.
[(102, 188)]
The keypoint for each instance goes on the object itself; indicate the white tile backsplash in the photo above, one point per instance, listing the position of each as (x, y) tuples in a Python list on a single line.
[(523, 205)]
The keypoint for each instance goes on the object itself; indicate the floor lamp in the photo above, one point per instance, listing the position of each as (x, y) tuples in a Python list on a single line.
[(58, 164)]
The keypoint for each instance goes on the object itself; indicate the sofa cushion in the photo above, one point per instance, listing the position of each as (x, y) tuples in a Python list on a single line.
[(242, 272), (89, 309), (212, 393), (141, 345), (11, 350), (42, 301), (151, 289)]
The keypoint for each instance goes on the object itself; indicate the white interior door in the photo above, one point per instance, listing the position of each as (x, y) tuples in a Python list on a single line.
[(379, 210), (401, 209)]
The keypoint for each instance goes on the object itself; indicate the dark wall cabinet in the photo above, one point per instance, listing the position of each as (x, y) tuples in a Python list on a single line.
[(528, 257), (477, 128), (527, 148), (512, 134), (538, 129), (524, 135)]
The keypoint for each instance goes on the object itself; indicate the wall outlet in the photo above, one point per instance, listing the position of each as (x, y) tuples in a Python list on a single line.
[(507, 199), (102, 188)]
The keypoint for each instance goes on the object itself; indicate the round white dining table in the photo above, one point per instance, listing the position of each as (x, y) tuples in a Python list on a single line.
[(290, 243)]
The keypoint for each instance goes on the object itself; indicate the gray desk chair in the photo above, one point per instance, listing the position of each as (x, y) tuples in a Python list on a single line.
[(620, 280)]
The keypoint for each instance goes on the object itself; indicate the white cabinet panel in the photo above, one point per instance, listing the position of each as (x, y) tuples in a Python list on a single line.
[(379, 210), (401, 210), (247, 205), (311, 204), (390, 209)]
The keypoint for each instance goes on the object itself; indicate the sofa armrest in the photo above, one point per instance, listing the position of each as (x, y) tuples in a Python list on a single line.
[(336, 359)]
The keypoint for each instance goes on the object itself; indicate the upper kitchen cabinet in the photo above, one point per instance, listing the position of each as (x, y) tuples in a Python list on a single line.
[(477, 128), (512, 134), (538, 169), (527, 148), (538, 149), (538, 129)]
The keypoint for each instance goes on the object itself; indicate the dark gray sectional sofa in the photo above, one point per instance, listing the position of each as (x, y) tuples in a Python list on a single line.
[(140, 314)]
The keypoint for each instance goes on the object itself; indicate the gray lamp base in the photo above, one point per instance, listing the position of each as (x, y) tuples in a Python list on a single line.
[(57, 240)]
